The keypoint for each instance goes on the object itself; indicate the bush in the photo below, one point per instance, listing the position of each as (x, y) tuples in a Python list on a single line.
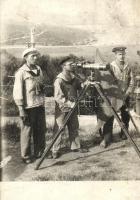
[(11, 131)]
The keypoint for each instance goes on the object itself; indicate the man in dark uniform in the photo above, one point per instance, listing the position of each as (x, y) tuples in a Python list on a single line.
[(124, 76), (66, 86), (117, 83)]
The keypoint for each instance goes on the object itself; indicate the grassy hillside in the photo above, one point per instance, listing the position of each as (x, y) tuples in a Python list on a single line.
[(81, 50), (19, 34)]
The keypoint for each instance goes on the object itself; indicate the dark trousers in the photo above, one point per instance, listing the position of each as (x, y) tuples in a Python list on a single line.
[(108, 130), (125, 117), (73, 126), (34, 126), (108, 126)]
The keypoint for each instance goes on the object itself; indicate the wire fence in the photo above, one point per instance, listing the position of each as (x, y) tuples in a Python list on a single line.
[(85, 107)]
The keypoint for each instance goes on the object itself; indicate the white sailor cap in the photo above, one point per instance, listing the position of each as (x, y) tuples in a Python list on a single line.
[(29, 51)]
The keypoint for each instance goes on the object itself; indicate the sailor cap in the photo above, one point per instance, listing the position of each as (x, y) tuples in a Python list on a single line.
[(29, 51), (115, 49)]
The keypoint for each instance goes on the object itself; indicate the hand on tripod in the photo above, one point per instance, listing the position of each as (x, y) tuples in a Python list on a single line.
[(72, 104), (88, 82)]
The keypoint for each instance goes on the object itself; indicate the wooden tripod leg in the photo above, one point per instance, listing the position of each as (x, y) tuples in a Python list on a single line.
[(123, 127), (134, 124), (47, 150)]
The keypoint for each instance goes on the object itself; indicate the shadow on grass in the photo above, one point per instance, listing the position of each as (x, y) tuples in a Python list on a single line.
[(15, 166), (87, 174), (59, 162)]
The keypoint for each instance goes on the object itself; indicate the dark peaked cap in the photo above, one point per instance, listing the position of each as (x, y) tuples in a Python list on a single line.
[(118, 49), (67, 59)]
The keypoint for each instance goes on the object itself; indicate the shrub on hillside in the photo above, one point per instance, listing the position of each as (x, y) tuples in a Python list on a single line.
[(11, 131)]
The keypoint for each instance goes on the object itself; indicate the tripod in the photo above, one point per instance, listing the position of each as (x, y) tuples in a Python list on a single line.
[(100, 91)]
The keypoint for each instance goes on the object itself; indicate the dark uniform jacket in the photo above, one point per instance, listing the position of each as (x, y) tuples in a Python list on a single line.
[(115, 91), (65, 92), (124, 76)]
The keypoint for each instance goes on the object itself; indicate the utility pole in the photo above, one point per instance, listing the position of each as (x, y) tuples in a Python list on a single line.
[(32, 38)]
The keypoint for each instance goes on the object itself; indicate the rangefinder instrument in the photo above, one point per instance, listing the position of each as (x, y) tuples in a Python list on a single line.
[(95, 66), (89, 65)]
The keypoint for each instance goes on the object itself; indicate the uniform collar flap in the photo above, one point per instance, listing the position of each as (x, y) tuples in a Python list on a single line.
[(115, 64), (26, 68), (61, 75)]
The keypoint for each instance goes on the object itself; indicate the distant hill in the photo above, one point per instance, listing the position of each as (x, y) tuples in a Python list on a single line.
[(50, 35), (19, 34)]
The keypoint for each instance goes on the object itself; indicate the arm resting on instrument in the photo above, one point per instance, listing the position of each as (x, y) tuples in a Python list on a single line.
[(64, 104)]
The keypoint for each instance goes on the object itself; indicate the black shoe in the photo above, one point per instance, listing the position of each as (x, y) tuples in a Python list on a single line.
[(27, 160), (50, 156), (123, 136), (103, 144), (74, 150), (81, 150), (55, 155), (38, 155)]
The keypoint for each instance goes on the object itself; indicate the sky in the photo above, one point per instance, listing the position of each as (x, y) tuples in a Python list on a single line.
[(95, 15), (73, 12)]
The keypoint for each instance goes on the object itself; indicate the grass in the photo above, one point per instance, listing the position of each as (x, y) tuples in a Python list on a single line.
[(84, 172), (11, 131), (62, 176), (119, 162)]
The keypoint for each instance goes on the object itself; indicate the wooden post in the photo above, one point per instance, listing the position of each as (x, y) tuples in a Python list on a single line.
[(32, 38)]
